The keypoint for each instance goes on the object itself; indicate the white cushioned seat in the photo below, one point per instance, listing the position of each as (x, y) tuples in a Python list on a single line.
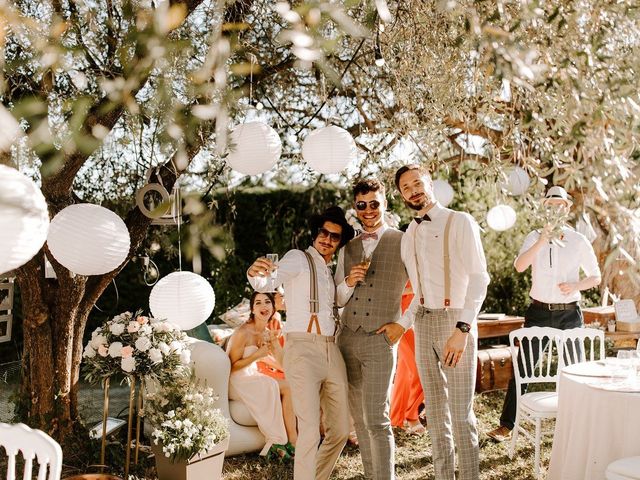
[(240, 414), (546, 402), (624, 469)]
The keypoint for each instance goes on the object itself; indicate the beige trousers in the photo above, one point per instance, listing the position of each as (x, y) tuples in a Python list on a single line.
[(316, 373)]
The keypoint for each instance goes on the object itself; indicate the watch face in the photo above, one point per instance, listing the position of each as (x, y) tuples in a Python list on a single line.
[(464, 327)]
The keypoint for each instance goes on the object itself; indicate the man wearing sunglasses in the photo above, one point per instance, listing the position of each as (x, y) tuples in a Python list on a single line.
[(371, 294), (448, 270), (313, 364)]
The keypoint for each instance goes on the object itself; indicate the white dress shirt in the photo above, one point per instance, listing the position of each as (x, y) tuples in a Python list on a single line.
[(293, 273), (554, 264), (468, 266), (344, 291)]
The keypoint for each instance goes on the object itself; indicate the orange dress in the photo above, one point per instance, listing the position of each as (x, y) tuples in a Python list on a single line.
[(407, 394), (274, 324)]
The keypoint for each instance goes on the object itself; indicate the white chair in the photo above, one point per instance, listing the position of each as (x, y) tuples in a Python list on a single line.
[(577, 342), (532, 353), (33, 444), (624, 469)]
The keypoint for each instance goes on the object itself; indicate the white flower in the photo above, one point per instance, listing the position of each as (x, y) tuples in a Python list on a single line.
[(133, 327), (164, 348), (171, 414), (176, 346), (89, 351), (128, 364), (146, 329), (155, 355), (185, 357), (115, 349), (143, 344), (97, 340), (116, 328)]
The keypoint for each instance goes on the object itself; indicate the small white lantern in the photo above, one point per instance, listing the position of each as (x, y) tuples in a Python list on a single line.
[(519, 181), (443, 192), (182, 298), (501, 218), (24, 219), (88, 239), (254, 148), (329, 149)]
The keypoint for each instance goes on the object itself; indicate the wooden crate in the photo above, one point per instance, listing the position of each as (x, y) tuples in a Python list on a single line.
[(499, 328), (601, 315)]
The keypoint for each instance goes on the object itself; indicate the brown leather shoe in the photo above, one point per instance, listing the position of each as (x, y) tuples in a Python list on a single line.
[(500, 434)]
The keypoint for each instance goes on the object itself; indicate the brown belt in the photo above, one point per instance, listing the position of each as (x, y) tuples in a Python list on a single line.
[(556, 306)]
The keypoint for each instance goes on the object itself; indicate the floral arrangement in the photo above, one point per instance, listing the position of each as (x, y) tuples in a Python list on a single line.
[(556, 219), (132, 344), (184, 418)]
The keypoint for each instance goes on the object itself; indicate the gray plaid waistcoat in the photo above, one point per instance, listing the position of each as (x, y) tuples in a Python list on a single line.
[(377, 301)]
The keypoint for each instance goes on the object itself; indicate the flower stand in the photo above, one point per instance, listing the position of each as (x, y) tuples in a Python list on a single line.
[(207, 466)]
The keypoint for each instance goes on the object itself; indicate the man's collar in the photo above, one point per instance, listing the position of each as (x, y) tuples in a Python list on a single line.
[(435, 211), (380, 230), (315, 253)]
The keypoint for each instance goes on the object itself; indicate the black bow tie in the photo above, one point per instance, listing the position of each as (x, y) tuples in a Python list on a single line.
[(419, 220)]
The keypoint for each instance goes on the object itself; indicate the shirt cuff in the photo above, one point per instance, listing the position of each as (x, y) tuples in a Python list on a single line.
[(343, 293), (407, 319), (468, 316)]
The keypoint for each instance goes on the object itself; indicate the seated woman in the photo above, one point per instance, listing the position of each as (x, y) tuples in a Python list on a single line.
[(275, 325), (268, 400)]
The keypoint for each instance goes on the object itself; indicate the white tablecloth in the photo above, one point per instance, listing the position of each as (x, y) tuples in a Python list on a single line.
[(595, 424)]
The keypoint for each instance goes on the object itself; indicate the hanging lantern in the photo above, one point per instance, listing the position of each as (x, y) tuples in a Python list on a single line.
[(182, 298), (519, 181), (443, 192), (24, 219), (88, 239), (501, 218), (254, 147), (329, 149)]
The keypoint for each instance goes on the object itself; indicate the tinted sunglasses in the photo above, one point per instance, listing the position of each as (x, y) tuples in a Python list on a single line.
[(335, 237), (373, 204)]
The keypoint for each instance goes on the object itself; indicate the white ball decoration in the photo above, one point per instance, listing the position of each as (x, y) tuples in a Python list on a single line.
[(519, 181), (254, 148), (24, 219), (329, 149), (182, 298), (501, 218), (443, 191), (88, 239)]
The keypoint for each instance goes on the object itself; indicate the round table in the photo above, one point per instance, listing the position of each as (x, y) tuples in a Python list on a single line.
[(598, 421)]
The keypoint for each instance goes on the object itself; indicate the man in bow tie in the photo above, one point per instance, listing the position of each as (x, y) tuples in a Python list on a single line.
[(445, 261), (371, 295)]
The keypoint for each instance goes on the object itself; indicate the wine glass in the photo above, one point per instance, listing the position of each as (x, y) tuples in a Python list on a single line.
[(365, 261), (625, 362), (273, 258)]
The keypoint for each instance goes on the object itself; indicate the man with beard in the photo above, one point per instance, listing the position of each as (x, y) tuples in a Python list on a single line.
[(371, 296), (312, 362), (445, 261)]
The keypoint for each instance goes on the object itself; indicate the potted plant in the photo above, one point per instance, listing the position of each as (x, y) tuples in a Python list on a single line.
[(189, 435)]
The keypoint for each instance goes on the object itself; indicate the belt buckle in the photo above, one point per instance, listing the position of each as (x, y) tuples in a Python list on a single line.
[(554, 307)]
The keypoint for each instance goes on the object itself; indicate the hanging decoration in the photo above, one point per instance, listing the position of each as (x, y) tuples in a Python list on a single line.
[(329, 149), (519, 181), (254, 147), (501, 218), (24, 219), (182, 298), (443, 192), (163, 208), (88, 239)]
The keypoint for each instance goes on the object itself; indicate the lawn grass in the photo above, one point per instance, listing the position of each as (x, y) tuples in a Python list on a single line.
[(413, 455)]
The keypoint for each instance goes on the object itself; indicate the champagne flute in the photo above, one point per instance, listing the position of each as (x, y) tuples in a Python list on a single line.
[(365, 261), (273, 258)]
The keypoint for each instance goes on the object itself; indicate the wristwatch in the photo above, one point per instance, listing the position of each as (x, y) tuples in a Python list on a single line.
[(463, 327)]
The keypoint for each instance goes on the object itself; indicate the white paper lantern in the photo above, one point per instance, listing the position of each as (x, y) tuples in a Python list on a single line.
[(519, 181), (88, 239), (183, 298), (254, 148), (443, 192), (329, 149), (501, 218), (24, 219)]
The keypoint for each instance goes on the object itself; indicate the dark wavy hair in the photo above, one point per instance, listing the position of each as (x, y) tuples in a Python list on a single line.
[(252, 301), (366, 185)]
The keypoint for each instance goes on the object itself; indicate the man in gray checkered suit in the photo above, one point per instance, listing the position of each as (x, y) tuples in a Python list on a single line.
[(371, 296), (445, 261)]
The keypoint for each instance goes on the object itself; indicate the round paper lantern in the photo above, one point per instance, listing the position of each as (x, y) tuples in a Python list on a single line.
[(254, 147), (24, 219), (329, 149), (501, 218), (182, 298), (88, 239), (519, 181), (443, 192)]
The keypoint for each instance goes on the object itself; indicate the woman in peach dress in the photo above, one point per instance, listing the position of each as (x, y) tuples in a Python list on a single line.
[(407, 394), (267, 399)]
